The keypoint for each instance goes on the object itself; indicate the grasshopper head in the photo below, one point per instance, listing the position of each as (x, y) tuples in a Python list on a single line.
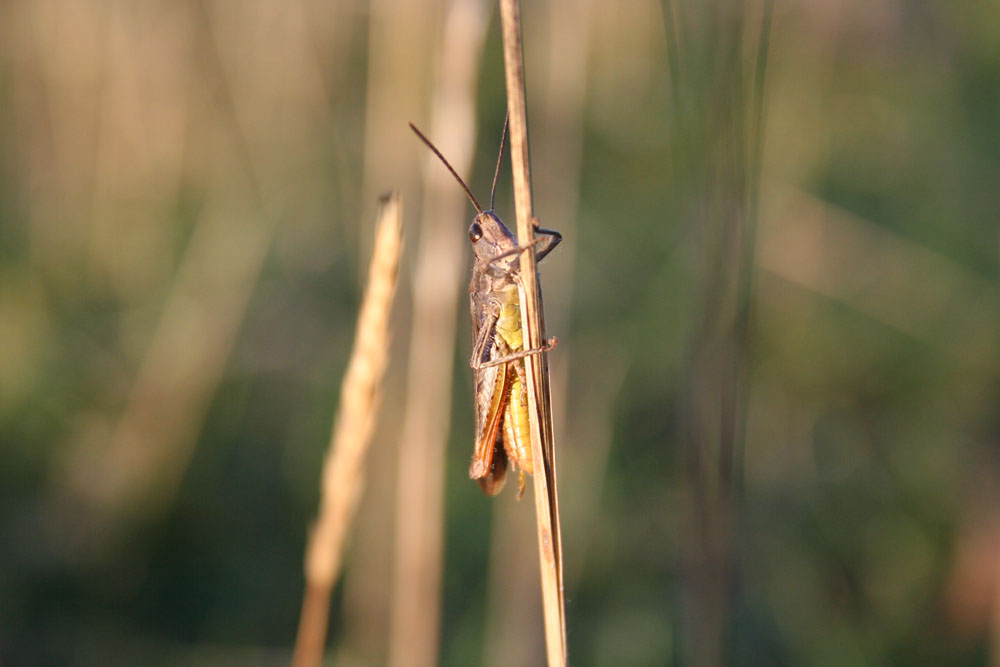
[(490, 237)]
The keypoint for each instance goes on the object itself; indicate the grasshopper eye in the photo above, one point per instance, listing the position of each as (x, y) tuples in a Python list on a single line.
[(475, 232)]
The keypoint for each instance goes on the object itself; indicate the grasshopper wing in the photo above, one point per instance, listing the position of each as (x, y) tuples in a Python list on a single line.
[(489, 461)]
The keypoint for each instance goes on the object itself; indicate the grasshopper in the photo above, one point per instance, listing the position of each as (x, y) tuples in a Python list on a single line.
[(502, 427)]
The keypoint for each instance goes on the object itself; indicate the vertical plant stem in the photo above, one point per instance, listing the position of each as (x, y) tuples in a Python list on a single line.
[(563, 30), (400, 38), (419, 527), (718, 125), (536, 366), (343, 467)]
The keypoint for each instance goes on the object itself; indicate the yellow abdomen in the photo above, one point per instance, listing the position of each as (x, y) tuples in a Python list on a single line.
[(516, 431)]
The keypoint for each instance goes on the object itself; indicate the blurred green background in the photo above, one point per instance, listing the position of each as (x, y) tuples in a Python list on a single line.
[(187, 193)]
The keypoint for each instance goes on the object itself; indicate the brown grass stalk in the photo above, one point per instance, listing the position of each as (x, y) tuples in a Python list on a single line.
[(562, 29), (536, 366), (400, 39), (414, 630), (343, 468)]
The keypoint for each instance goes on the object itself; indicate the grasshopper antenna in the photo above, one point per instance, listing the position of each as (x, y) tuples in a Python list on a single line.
[(496, 173), (458, 178)]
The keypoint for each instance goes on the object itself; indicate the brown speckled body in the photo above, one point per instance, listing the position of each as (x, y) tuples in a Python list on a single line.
[(503, 434)]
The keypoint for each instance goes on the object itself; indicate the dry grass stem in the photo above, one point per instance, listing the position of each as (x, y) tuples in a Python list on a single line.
[(718, 159), (419, 526), (145, 459), (136, 470), (397, 39), (536, 366), (563, 30), (343, 475)]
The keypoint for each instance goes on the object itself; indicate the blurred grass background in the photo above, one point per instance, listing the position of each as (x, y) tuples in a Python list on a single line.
[(187, 193)]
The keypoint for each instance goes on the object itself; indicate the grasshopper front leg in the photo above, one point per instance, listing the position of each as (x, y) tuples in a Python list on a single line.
[(548, 240), (552, 236)]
